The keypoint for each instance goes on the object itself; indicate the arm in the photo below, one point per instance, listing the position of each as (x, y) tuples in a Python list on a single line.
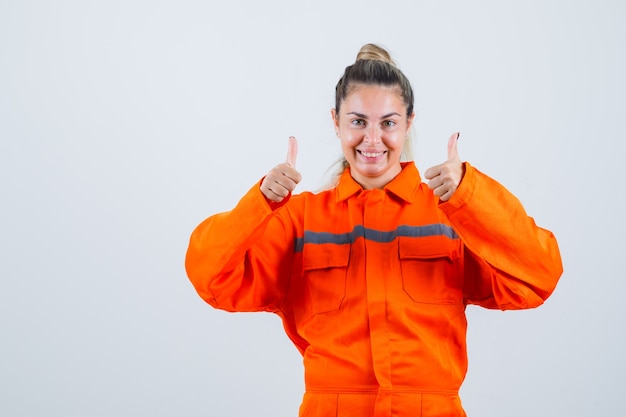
[(239, 260), (510, 262)]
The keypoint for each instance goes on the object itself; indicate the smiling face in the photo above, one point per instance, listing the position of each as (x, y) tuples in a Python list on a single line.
[(372, 126)]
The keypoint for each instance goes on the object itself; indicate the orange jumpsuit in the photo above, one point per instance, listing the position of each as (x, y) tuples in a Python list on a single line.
[(372, 285)]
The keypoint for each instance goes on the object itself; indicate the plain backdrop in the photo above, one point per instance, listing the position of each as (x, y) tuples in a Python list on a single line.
[(124, 123)]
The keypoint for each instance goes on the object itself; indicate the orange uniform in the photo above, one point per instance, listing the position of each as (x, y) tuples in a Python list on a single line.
[(372, 285)]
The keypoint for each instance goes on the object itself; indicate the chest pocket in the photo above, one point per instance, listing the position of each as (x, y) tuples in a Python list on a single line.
[(325, 268), (432, 270)]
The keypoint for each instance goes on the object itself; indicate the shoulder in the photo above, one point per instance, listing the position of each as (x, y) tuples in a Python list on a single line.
[(311, 197)]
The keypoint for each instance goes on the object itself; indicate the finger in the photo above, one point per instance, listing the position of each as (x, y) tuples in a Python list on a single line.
[(453, 153), (275, 190), (432, 172), (435, 183), (279, 191), (292, 152), (445, 196)]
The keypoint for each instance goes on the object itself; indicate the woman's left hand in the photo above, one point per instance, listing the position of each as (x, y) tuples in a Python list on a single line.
[(445, 178)]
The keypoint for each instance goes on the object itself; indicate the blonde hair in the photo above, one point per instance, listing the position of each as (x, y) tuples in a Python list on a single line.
[(374, 52), (374, 66)]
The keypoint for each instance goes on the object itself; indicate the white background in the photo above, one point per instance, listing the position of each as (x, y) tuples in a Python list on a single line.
[(123, 124)]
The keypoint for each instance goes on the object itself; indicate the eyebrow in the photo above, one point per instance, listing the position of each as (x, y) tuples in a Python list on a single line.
[(362, 116)]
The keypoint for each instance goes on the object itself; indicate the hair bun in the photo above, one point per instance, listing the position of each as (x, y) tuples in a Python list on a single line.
[(374, 52)]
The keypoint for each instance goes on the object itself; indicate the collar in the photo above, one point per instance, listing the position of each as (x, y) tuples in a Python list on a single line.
[(403, 186)]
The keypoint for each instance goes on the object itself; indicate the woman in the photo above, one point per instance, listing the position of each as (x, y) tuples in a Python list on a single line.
[(371, 277)]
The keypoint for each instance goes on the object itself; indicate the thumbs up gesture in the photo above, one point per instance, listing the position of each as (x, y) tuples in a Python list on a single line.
[(445, 178), (283, 178)]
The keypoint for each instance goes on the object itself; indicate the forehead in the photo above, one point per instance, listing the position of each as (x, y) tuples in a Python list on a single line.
[(373, 99)]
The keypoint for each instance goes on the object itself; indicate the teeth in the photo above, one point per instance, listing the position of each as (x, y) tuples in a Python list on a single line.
[(371, 154)]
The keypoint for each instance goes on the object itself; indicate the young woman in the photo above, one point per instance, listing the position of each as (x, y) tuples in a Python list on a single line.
[(371, 277)]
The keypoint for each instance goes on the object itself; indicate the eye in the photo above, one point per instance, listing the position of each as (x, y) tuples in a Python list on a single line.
[(389, 123), (358, 122)]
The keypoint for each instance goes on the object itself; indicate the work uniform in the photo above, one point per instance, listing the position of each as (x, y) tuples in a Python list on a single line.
[(372, 285)]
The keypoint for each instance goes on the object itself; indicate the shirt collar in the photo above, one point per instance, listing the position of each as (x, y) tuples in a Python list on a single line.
[(404, 185)]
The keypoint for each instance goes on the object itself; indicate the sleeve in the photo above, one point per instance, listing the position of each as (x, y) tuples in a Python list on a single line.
[(510, 262), (240, 260)]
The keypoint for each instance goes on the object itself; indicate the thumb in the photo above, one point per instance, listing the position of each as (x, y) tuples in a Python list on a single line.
[(453, 153), (292, 152)]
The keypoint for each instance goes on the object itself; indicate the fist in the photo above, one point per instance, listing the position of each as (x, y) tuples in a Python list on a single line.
[(283, 178), (445, 178)]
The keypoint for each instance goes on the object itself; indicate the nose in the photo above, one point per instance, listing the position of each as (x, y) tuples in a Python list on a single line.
[(372, 134)]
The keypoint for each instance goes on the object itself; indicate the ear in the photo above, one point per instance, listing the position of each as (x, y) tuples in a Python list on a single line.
[(410, 121), (335, 117)]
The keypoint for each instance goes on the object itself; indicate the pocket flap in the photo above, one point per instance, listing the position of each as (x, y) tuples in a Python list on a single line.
[(431, 247), (327, 255)]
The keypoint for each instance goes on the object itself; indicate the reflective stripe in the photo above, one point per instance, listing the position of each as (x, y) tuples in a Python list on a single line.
[(320, 238)]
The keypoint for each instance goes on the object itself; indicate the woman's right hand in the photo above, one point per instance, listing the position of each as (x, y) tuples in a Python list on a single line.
[(283, 178)]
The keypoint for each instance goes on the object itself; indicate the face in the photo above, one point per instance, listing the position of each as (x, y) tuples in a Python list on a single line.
[(372, 126)]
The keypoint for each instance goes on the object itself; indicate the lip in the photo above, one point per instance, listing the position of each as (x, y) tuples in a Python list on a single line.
[(371, 155)]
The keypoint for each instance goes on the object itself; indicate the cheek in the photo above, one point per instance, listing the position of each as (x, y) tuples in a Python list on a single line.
[(349, 139), (396, 141)]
